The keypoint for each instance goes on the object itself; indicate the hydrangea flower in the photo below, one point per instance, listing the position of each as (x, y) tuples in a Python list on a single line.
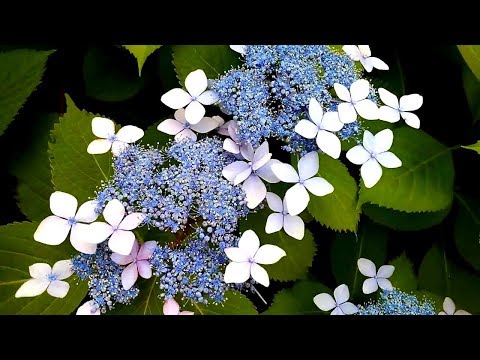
[(47, 278), (241, 49), (293, 225), (171, 307), (54, 229), (194, 98), (396, 302), (105, 130), (339, 302), (449, 308), (88, 308), (363, 54), (247, 257), (394, 109), (372, 153), (234, 144), (297, 197), (376, 279), (355, 102)]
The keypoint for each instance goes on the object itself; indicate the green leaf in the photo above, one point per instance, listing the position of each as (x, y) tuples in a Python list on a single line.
[(337, 210), (471, 86), (146, 303), (471, 55), (18, 251), (213, 59), (236, 304), (444, 278), (20, 73), (474, 147), (400, 220), (403, 277), (73, 169), (298, 300), (300, 253), (31, 166), (141, 53), (467, 230), (154, 137), (424, 182), (371, 243), (109, 76)]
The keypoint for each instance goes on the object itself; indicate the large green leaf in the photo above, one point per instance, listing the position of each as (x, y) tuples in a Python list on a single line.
[(403, 277), (471, 85), (424, 182), (467, 230), (442, 277), (236, 304), (32, 168), (371, 243), (400, 220), (18, 251), (337, 210), (74, 170), (474, 147), (146, 303), (298, 300), (213, 59), (20, 74), (300, 253), (471, 55), (141, 53)]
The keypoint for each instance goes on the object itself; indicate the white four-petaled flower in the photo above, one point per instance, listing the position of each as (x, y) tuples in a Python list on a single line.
[(46, 278), (54, 229), (322, 126), (89, 308), (182, 129), (105, 129), (339, 302), (363, 54), (372, 153), (171, 307), (118, 228), (355, 101), (394, 109), (195, 97), (449, 308), (297, 197), (293, 225), (376, 279), (246, 257), (241, 49)]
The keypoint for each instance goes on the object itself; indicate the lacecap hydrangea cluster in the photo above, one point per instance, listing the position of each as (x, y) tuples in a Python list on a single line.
[(396, 302)]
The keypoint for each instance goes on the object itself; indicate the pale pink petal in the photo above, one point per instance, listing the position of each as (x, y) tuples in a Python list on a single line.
[(129, 276), (359, 90), (342, 92), (208, 97), (63, 205), (231, 146), (371, 172), (86, 212), (194, 112), (329, 143), (274, 202), (388, 114), (121, 242), (388, 98), (411, 102), (307, 129), (358, 155), (98, 232), (89, 308), (196, 82), (103, 127), (205, 125), (296, 199), (384, 284), (63, 269), (274, 223), (58, 289), (146, 250), (53, 230), (176, 98), (318, 186), (315, 112), (132, 221), (130, 134), (260, 275), (237, 272), (186, 313), (367, 109), (266, 172), (135, 249), (39, 270), (249, 243), (367, 267), (324, 302), (411, 119), (144, 269), (171, 307), (114, 212), (308, 165), (170, 126), (121, 259), (346, 113), (32, 287), (99, 146), (370, 285), (294, 226), (230, 172), (269, 254), (341, 294), (236, 254)]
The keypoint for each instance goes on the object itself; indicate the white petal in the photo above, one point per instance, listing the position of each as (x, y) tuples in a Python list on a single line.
[(341, 294), (367, 65), (371, 172), (442, 313), (384, 284), (99, 146), (179, 115), (130, 134), (389, 160), (249, 243), (358, 155), (315, 111), (58, 289), (370, 285), (236, 254), (102, 127), (260, 275), (308, 165), (369, 141), (129, 276), (318, 186), (342, 92), (367, 267), (86, 212), (367, 109), (196, 82), (118, 147), (176, 98), (337, 311), (307, 129), (194, 112), (63, 205), (261, 152), (364, 50), (98, 232), (231, 146), (274, 223), (231, 171), (348, 308), (411, 102), (353, 51), (411, 119), (247, 152), (329, 143), (389, 98), (32, 287), (274, 202), (208, 97), (242, 176), (63, 269), (53, 230), (377, 63), (449, 306), (266, 173), (346, 113), (239, 48), (205, 125), (383, 141), (461, 312), (331, 122), (39, 270), (297, 199), (285, 172), (237, 272), (232, 129), (294, 226), (269, 254), (89, 308), (121, 242), (324, 302), (184, 134), (131, 221), (170, 126), (388, 114), (359, 90), (114, 212), (77, 236)]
